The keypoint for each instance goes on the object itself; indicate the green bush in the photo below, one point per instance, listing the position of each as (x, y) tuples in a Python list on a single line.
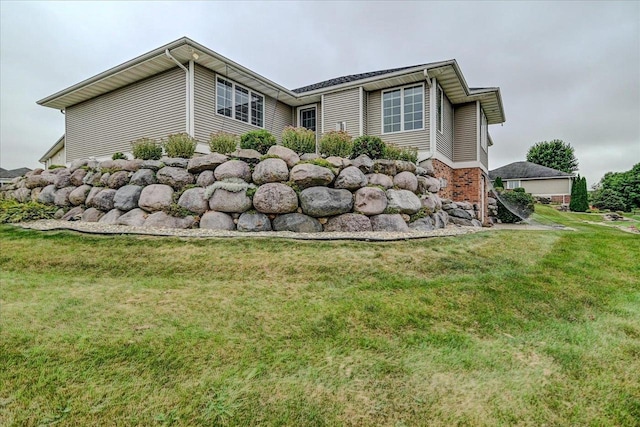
[(609, 199), (408, 154), (336, 143), (372, 146), (259, 140), (300, 140), (12, 211), (223, 142), (498, 183), (514, 206), (56, 167), (146, 149), (119, 156), (579, 195), (180, 145)]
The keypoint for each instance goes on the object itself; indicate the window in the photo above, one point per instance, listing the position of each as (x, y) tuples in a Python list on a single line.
[(308, 118), (484, 140), (513, 184), (232, 100), (403, 109), (341, 126), (439, 106)]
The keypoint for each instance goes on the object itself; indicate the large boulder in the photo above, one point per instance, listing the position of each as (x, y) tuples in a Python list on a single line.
[(247, 155), (143, 177), (254, 221), (74, 214), (289, 156), (47, 195), (35, 181), (403, 201), (270, 170), (364, 163), (370, 201), (134, 218), (381, 180), (428, 184), (323, 201), (205, 179), (194, 201), (422, 224), (126, 197), (296, 222), (176, 162), (175, 177), (440, 219), (465, 222), (338, 162), (111, 217), (77, 164), (62, 196), (217, 221), (118, 179), (405, 166), (77, 177), (79, 195), (350, 178), (406, 181), (22, 195), (204, 163), (163, 220), (92, 215), (230, 202), (156, 197), (459, 213), (275, 198), (63, 178), (431, 202), (104, 199), (153, 165), (307, 175), (92, 178), (385, 167), (92, 194), (233, 169), (351, 222), (389, 222), (132, 165)]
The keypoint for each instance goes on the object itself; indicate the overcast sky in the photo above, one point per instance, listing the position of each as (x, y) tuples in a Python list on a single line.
[(566, 70)]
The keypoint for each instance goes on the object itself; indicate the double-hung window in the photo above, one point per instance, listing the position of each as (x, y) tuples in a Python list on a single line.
[(439, 107), (403, 109), (235, 101), (484, 139)]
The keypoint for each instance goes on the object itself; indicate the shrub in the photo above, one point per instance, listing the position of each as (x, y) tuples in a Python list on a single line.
[(579, 195), (223, 142), (408, 154), (12, 211), (146, 149), (609, 199), (55, 167), (336, 143), (372, 146), (300, 140), (119, 156), (259, 140), (180, 145), (323, 163), (498, 183), (514, 206)]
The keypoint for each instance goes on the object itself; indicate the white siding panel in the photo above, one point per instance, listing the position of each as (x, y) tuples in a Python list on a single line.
[(342, 107), (444, 140), (465, 142), (152, 108)]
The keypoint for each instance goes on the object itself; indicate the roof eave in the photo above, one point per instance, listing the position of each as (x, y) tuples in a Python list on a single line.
[(54, 148)]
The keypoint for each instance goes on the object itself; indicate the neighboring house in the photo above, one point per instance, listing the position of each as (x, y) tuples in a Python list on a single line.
[(6, 176), (186, 87), (536, 179), (55, 155)]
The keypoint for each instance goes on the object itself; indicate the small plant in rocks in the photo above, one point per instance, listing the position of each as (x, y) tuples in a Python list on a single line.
[(336, 143), (259, 140), (300, 140), (180, 145), (393, 152), (119, 156), (223, 142), (146, 149), (372, 146), (51, 167)]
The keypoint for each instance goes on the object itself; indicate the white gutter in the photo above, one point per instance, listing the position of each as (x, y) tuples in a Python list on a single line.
[(188, 94)]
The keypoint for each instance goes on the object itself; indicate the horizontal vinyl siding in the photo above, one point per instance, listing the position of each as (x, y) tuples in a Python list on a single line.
[(465, 143), (365, 113), (342, 107), (444, 140), (484, 157), (547, 186), (151, 108), (56, 159), (277, 115), (415, 138)]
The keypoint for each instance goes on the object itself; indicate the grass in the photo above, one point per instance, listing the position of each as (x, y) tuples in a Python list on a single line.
[(495, 328)]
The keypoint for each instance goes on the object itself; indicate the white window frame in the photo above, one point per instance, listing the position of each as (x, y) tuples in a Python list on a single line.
[(302, 108), (440, 120), (484, 131), (233, 101), (511, 184), (402, 88)]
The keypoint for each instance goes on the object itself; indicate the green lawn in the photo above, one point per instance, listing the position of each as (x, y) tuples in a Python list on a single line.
[(495, 328)]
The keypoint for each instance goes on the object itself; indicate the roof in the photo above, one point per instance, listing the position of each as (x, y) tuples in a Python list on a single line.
[(13, 173), (526, 170), (59, 144), (447, 73)]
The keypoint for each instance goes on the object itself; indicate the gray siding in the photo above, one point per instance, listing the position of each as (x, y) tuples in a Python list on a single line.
[(484, 157), (416, 138), (465, 145), (444, 140), (152, 108), (342, 107), (277, 115), (365, 113)]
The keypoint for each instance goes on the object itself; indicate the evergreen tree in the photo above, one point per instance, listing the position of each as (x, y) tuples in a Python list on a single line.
[(498, 183), (579, 195), (574, 198)]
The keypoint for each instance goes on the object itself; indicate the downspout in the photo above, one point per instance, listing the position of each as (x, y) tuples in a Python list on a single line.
[(189, 122)]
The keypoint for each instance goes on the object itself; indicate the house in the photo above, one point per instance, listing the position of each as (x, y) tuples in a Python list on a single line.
[(538, 180), (54, 155), (186, 87), (6, 176)]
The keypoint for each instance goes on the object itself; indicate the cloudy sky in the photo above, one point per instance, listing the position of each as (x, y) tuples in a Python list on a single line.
[(567, 70)]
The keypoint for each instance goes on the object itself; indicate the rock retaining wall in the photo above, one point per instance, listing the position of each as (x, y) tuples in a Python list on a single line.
[(247, 192)]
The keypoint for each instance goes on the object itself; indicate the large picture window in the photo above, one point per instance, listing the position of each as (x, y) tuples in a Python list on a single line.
[(403, 109), (240, 103)]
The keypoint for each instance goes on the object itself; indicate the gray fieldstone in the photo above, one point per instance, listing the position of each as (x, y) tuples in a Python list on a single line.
[(440, 219), (194, 201), (296, 222), (58, 214), (35, 193), (338, 162), (351, 178), (61, 197), (118, 179), (77, 177), (104, 179), (174, 176), (104, 199), (229, 202), (405, 166), (310, 156), (254, 221), (427, 165), (247, 155), (205, 179), (92, 178), (217, 221), (22, 195), (370, 201), (63, 178), (379, 179), (233, 169), (271, 170), (79, 195), (127, 197), (389, 222), (176, 162), (163, 220), (289, 156), (92, 215), (349, 222), (459, 213), (153, 165), (431, 202), (74, 214), (35, 181), (275, 198), (422, 224), (134, 218), (404, 201), (143, 177), (111, 217), (77, 164), (323, 201), (364, 163), (92, 194), (206, 163), (386, 167), (432, 184), (420, 171), (155, 197), (406, 181), (132, 165), (47, 195), (306, 175)]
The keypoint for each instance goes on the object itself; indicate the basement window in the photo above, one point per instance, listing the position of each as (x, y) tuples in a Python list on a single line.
[(238, 102)]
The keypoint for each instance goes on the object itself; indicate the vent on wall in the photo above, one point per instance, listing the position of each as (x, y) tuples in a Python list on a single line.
[(341, 126)]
